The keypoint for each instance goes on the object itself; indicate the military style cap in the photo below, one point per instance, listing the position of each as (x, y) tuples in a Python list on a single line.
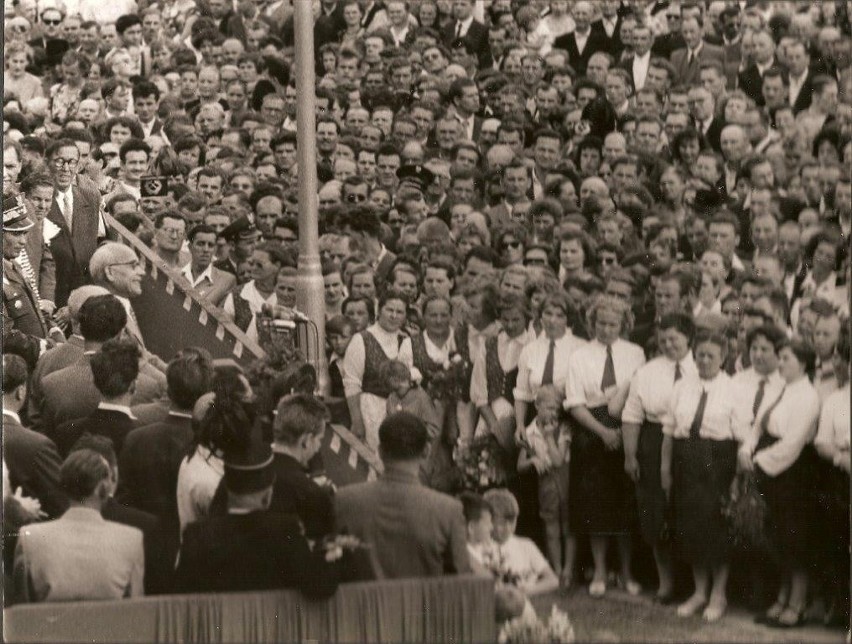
[(15, 218), (240, 228)]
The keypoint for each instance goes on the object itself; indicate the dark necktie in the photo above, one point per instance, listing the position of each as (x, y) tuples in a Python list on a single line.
[(458, 30), (689, 57), (764, 422), (758, 397), (695, 427), (608, 379), (547, 374), (678, 372)]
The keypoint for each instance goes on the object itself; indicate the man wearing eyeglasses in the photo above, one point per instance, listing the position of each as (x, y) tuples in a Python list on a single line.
[(76, 211)]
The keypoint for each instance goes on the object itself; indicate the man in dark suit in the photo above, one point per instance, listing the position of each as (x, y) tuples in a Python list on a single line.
[(413, 531), (364, 224), (298, 429), (583, 41), (800, 76), (146, 102), (751, 78), (76, 212), (157, 569), (38, 190), (329, 25), (31, 458), (639, 63), (609, 25), (249, 547), (687, 61), (702, 108), (150, 458), (114, 370), (469, 30)]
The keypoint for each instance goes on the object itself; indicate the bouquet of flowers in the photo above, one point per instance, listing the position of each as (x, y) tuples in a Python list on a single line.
[(494, 561), (745, 511), (480, 463), (529, 629), (448, 381)]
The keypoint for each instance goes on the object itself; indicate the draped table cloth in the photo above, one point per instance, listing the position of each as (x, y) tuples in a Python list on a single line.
[(448, 609)]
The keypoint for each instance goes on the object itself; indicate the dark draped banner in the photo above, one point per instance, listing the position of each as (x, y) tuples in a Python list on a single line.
[(449, 609)]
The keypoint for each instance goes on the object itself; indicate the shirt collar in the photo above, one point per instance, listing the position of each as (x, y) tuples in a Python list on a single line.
[(124, 409), (186, 271), (180, 414), (13, 415)]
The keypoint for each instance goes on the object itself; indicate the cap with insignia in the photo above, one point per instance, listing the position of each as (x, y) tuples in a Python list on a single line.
[(415, 176), (240, 228), (15, 218)]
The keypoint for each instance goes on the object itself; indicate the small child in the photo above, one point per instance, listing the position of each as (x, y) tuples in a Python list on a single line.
[(519, 555), (536, 33), (407, 396), (338, 331), (547, 443)]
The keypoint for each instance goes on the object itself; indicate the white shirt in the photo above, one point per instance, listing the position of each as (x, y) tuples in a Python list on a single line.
[(796, 86), (256, 301), (354, 361), (399, 36), (207, 274), (608, 25), (532, 359), (522, 557), (651, 389), (583, 386), (747, 384), (124, 409), (465, 26), (439, 354), (508, 352), (721, 420), (833, 433), (793, 421), (68, 213), (198, 478), (581, 39), (640, 69)]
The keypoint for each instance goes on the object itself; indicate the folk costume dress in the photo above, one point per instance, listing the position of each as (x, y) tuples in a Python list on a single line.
[(704, 422), (366, 355), (647, 403), (602, 497)]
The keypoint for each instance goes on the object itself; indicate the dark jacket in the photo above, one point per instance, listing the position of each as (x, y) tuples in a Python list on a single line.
[(255, 551), (157, 569), (476, 40), (113, 424), (596, 42)]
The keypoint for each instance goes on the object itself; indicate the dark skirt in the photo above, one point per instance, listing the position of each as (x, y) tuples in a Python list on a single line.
[(791, 500), (602, 498), (650, 498), (702, 471), (833, 521)]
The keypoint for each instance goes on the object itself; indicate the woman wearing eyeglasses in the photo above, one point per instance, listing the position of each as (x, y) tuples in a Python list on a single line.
[(511, 245)]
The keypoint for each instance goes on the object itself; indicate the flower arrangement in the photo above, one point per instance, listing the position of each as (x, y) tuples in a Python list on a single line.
[(447, 381), (480, 463), (529, 629), (495, 562), (745, 510)]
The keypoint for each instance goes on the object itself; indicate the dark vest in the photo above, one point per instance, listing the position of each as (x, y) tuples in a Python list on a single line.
[(499, 383), (242, 310), (375, 358)]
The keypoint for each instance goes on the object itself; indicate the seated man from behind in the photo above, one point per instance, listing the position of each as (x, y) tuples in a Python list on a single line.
[(413, 531), (80, 556)]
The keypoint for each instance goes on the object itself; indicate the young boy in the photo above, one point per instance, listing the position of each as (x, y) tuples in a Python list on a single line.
[(406, 396), (520, 555), (548, 439)]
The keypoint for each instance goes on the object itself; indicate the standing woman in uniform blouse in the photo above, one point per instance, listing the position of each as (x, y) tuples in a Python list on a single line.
[(832, 445), (648, 401), (601, 498), (366, 355), (701, 434), (779, 450)]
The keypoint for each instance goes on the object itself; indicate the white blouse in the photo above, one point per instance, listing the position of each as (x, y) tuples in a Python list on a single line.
[(354, 361), (532, 359), (747, 382), (793, 422), (508, 353), (721, 419), (651, 389), (833, 434), (585, 373)]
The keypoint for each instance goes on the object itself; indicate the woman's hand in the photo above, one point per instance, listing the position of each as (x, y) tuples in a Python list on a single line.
[(631, 467), (666, 482), (611, 439)]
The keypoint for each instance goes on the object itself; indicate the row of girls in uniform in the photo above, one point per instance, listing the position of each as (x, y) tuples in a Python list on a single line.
[(653, 445)]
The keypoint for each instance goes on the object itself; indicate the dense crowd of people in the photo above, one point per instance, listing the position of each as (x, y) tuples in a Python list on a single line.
[(596, 253)]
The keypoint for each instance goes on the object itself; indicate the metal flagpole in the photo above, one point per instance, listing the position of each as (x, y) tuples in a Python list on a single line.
[(311, 293)]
